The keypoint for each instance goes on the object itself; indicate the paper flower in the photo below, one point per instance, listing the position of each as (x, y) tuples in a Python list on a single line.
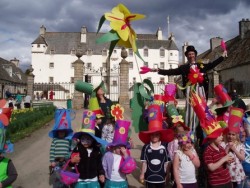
[(117, 111), (195, 76), (122, 32), (176, 119), (5, 113)]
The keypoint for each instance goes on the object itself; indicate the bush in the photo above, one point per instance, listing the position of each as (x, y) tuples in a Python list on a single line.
[(23, 122)]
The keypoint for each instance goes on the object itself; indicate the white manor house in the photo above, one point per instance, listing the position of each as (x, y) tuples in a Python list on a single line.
[(54, 52)]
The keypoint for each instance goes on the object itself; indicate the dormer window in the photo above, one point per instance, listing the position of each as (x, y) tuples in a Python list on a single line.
[(18, 75), (8, 69), (89, 52), (104, 52), (73, 52), (52, 51)]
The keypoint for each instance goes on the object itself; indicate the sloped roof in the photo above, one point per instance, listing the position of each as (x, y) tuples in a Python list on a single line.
[(238, 53), (39, 40), (4, 75), (64, 42)]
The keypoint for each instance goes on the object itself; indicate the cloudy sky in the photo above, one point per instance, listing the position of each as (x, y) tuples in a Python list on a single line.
[(194, 21)]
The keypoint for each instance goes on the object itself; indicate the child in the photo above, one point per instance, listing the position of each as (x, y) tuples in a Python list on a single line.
[(234, 147), (108, 128), (117, 161), (60, 146), (87, 154), (215, 157), (154, 154), (177, 125), (185, 162), (8, 173)]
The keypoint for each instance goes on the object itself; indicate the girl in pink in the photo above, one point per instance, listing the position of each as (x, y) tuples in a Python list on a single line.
[(185, 162)]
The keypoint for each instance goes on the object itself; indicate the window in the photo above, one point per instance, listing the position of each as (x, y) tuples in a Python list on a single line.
[(134, 80), (161, 65), (162, 52), (89, 65), (52, 51), (51, 65), (145, 52), (156, 66), (130, 52), (114, 83), (72, 79), (73, 52), (38, 46), (131, 65), (89, 52), (171, 54), (170, 66), (72, 65), (162, 80), (104, 52), (51, 79), (89, 79), (104, 65), (145, 64), (115, 51)]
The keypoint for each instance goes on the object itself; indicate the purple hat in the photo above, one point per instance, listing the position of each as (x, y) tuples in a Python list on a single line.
[(121, 133), (88, 127)]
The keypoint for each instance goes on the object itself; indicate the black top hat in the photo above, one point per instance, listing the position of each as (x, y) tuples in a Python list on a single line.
[(190, 49)]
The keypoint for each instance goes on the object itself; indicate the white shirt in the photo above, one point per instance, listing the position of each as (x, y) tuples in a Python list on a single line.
[(116, 175), (186, 168), (27, 99)]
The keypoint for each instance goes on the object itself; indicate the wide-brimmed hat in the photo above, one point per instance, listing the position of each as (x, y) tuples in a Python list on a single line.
[(88, 127), (190, 49), (155, 119), (235, 120), (222, 98), (208, 122), (175, 117), (121, 134), (63, 120)]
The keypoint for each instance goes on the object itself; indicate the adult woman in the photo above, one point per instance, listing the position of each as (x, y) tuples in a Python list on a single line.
[(105, 105)]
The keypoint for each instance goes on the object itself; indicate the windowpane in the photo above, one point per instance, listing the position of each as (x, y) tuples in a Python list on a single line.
[(145, 52)]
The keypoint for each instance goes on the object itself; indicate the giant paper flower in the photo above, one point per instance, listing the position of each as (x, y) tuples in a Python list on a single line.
[(176, 119), (117, 111), (5, 113), (122, 32), (195, 76)]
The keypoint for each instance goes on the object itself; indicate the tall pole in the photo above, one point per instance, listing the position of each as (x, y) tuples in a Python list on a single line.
[(168, 25)]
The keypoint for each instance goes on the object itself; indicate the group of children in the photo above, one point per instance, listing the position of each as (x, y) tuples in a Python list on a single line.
[(171, 153), (102, 161)]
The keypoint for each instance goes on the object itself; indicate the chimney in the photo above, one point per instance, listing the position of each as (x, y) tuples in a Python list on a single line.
[(184, 47), (42, 30), (15, 61), (159, 34), (83, 34), (244, 26), (214, 42)]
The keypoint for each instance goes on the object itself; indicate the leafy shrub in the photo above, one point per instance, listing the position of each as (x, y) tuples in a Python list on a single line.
[(25, 121)]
